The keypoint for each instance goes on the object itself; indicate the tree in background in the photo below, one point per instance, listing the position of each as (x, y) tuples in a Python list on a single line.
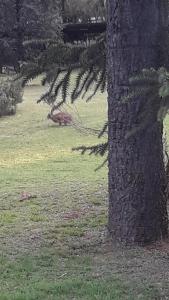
[(20, 20), (83, 11)]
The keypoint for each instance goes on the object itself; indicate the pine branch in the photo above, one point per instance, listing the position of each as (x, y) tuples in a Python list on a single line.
[(104, 130), (99, 149)]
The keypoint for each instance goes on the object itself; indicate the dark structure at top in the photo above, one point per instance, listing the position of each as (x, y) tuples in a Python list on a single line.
[(78, 29), (81, 32)]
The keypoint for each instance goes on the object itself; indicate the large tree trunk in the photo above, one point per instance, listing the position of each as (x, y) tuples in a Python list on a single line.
[(137, 203)]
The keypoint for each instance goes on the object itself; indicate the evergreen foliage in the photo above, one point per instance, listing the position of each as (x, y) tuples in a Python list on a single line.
[(61, 64), (153, 86)]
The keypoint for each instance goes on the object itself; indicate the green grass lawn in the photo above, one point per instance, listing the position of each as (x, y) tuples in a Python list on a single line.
[(54, 246)]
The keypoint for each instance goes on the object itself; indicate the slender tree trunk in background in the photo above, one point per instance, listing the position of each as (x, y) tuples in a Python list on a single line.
[(137, 200), (19, 29), (63, 10)]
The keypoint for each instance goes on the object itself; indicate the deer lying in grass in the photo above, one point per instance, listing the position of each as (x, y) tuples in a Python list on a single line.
[(61, 118)]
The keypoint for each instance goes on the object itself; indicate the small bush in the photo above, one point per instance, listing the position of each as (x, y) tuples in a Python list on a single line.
[(11, 93)]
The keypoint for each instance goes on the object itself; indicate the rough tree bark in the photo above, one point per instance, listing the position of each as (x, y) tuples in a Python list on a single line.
[(137, 200)]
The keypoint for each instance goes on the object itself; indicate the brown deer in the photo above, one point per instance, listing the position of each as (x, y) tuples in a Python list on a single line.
[(61, 118)]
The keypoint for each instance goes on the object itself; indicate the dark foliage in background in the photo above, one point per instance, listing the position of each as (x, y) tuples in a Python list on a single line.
[(24, 20), (83, 11), (11, 93)]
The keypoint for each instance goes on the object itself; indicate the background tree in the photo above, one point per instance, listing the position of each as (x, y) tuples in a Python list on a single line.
[(83, 11), (21, 21)]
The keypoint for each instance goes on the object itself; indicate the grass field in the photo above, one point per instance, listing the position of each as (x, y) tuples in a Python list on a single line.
[(54, 246)]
